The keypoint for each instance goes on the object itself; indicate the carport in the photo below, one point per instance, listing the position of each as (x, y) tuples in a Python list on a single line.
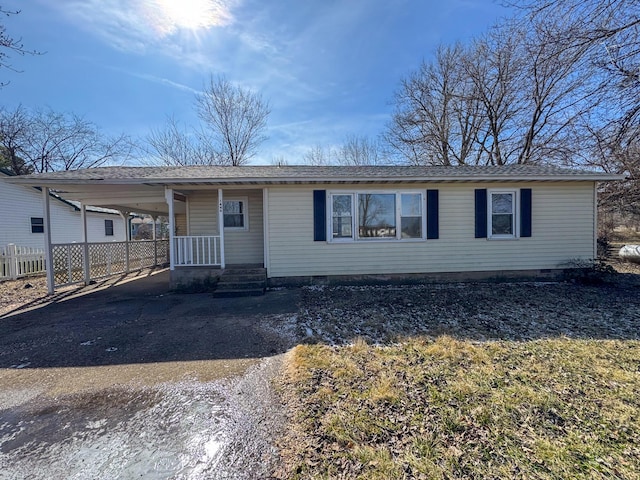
[(85, 261)]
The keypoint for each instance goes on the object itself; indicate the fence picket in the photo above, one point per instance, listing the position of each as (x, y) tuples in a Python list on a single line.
[(17, 261)]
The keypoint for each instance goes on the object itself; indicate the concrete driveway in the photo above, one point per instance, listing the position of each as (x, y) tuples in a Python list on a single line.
[(130, 358)]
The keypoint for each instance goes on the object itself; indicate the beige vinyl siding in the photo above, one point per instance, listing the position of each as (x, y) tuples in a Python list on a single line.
[(181, 224), (562, 219), (203, 213), (240, 246), (246, 246)]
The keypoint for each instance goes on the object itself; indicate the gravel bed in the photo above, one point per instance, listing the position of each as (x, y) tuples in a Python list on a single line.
[(337, 315)]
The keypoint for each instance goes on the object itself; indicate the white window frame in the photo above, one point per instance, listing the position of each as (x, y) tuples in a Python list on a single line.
[(515, 226), (330, 236), (245, 213), (355, 220)]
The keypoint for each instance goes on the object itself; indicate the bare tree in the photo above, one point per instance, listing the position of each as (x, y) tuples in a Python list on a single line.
[(14, 131), (10, 44), (45, 141), (359, 150), (234, 120), (606, 37), (511, 96), (175, 145), (436, 119), (318, 156), (279, 161)]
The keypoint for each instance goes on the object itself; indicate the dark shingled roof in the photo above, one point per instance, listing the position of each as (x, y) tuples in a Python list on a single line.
[(310, 174)]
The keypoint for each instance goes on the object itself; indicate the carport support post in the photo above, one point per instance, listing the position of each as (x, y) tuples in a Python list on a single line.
[(168, 195), (127, 235), (155, 242), (221, 226), (85, 245), (48, 254)]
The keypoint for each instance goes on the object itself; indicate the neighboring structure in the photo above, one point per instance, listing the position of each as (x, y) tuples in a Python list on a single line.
[(23, 218), (314, 224), (142, 227)]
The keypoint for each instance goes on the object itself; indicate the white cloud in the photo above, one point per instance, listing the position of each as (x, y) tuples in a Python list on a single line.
[(134, 25), (165, 81)]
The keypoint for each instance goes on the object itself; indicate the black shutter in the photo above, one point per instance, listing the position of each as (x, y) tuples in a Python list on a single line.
[(320, 215), (481, 213), (525, 212), (433, 221)]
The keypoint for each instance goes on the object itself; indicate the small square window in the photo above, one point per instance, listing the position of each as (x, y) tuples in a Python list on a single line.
[(235, 214), (108, 228), (37, 225)]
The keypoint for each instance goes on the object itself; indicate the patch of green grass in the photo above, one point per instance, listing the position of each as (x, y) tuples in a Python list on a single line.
[(554, 408)]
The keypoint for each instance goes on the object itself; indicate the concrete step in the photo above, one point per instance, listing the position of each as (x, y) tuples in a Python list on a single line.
[(241, 285), (241, 281), (246, 270), (243, 277), (224, 293)]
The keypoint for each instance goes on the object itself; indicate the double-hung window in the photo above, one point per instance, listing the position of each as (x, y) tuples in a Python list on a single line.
[(411, 215), (342, 215), (37, 225), (502, 214), (376, 216), (108, 228), (234, 213)]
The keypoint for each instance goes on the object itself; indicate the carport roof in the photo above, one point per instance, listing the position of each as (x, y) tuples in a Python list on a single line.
[(265, 175)]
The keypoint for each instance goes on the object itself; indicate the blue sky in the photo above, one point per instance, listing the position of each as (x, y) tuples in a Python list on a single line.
[(327, 67)]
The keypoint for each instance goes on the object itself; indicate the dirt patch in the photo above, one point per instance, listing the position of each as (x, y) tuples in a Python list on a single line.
[(18, 293), (31, 292)]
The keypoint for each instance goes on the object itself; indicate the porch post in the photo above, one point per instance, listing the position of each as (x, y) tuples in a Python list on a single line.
[(265, 226), (168, 195), (85, 245), (221, 226), (48, 253)]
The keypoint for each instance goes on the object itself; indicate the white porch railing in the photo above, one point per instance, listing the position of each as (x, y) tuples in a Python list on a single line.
[(17, 261), (196, 251)]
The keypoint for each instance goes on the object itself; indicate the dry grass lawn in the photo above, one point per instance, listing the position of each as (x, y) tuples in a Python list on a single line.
[(547, 409)]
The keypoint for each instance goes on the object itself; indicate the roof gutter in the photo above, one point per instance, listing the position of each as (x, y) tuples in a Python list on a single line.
[(596, 177)]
